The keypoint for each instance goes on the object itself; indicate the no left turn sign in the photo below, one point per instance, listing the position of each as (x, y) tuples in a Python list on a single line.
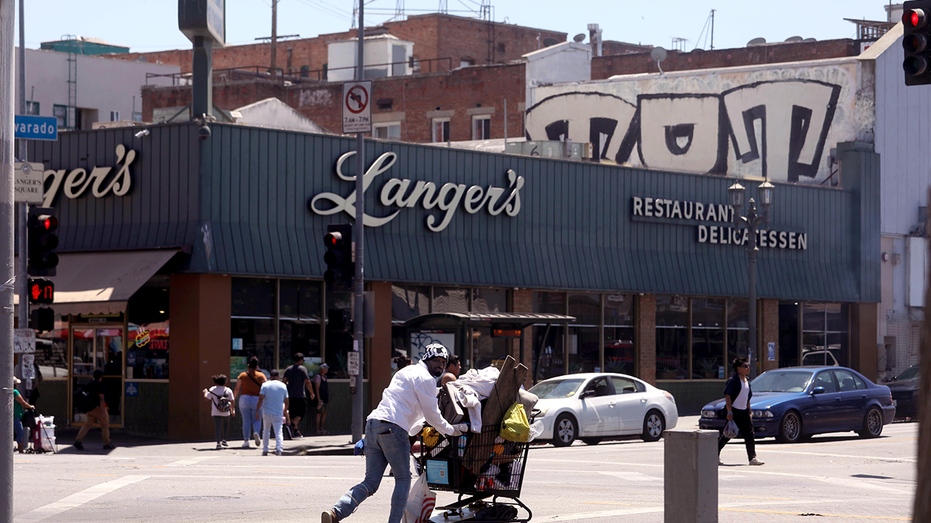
[(357, 111)]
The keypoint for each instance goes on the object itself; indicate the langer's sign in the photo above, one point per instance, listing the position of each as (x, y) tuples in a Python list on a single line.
[(404, 193), (77, 181)]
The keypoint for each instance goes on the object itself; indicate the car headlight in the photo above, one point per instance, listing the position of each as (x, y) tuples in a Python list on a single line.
[(709, 414), (762, 414)]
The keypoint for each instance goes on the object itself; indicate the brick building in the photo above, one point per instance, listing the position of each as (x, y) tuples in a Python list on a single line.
[(435, 36)]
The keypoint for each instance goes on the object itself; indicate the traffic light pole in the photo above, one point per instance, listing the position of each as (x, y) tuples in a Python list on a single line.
[(358, 236), (6, 257), (22, 209)]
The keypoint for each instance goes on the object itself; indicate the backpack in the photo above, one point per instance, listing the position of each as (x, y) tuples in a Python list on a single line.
[(87, 402), (222, 402)]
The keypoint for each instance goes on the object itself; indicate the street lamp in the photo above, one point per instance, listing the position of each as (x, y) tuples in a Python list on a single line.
[(736, 194)]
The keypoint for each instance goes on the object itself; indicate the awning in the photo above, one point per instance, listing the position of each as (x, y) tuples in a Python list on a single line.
[(102, 282)]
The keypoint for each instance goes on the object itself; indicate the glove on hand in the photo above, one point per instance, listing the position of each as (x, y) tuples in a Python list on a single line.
[(459, 429)]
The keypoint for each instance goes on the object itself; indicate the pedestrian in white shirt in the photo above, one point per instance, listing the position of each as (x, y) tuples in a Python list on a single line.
[(411, 395)]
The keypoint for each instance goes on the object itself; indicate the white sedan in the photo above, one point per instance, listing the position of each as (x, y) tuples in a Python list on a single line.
[(596, 406)]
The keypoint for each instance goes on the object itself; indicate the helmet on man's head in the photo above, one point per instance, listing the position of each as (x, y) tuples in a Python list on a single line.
[(435, 350)]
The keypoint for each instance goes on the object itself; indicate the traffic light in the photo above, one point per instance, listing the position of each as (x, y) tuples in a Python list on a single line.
[(916, 41), (338, 256), (43, 240), (43, 319), (41, 291)]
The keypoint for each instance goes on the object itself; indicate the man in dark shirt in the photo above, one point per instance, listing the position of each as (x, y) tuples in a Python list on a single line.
[(95, 407), (297, 379)]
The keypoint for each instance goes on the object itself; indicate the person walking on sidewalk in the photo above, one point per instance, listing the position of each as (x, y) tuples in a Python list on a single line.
[(322, 392), (297, 379), (95, 407), (19, 407), (248, 385), (222, 408), (411, 395), (737, 396), (273, 404)]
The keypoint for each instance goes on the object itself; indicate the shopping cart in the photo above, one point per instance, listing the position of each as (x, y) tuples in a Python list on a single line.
[(477, 467)]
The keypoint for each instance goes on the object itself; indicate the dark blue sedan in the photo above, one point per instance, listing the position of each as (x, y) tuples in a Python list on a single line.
[(794, 403)]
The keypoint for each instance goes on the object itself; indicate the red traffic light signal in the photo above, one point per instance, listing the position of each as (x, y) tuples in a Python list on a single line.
[(916, 42), (41, 291), (43, 240)]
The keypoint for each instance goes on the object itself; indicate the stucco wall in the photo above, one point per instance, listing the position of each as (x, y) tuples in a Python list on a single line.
[(776, 121)]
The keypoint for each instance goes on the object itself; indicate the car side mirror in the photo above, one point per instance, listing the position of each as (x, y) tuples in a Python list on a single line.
[(587, 394), (817, 390)]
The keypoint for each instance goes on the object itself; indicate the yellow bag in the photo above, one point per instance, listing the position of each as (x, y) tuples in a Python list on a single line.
[(515, 426)]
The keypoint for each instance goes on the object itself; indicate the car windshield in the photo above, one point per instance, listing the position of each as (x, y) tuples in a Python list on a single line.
[(910, 373), (556, 388), (782, 381)]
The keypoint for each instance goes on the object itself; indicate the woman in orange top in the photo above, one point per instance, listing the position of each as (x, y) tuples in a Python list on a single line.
[(248, 385)]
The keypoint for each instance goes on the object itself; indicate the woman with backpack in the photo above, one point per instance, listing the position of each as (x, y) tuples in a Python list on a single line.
[(221, 408), (248, 385), (19, 406)]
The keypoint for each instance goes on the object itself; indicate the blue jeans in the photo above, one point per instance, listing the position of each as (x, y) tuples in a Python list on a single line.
[(247, 408), (385, 444), (18, 433), (272, 422)]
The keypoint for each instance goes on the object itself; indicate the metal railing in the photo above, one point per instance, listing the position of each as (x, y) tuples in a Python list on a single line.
[(298, 75)]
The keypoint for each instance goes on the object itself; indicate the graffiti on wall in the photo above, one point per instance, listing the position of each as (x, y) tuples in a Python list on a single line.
[(775, 129)]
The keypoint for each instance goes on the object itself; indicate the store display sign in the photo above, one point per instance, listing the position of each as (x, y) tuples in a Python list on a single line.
[(404, 193), (99, 181), (676, 211), (24, 341), (437, 472)]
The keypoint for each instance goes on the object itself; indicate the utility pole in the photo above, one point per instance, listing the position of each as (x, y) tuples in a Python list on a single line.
[(274, 73), (7, 12), (358, 236), (22, 209)]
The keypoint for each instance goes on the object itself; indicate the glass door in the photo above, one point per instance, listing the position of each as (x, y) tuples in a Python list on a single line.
[(98, 348)]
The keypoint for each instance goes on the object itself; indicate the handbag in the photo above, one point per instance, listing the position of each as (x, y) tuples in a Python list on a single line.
[(731, 430), (515, 426), (420, 502)]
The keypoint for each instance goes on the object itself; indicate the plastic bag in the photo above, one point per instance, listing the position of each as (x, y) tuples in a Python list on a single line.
[(420, 502), (731, 430), (515, 426), (535, 430)]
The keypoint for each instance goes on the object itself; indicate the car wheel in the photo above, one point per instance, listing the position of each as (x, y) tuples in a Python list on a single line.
[(591, 441), (872, 424), (653, 426), (566, 430), (790, 428)]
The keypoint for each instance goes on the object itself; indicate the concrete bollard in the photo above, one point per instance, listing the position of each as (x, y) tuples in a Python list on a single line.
[(691, 476)]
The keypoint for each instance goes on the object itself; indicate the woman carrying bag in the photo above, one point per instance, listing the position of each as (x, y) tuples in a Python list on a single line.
[(737, 396)]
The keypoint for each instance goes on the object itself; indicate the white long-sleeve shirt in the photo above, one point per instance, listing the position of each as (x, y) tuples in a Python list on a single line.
[(411, 395)]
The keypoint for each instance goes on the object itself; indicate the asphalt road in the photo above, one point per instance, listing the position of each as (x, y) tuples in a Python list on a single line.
[(832, 478)]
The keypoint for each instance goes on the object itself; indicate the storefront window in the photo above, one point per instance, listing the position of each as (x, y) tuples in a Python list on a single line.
[(583, 334), (409, 301), (738, 331), (252, 323), (489, 300), (52, 351), (451, 299), (708, 338), (619, 334), (299, 321), (825, 334), (147, 342), (548, 341), (487, 351), (672, 334)]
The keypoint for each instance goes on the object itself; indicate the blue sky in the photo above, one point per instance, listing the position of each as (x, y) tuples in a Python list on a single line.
[(151, 25)]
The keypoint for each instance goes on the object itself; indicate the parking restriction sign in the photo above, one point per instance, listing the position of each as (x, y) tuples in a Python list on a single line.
[(357, 109)]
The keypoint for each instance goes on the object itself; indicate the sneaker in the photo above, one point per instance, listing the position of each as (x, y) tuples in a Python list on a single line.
[(296, 433), (277, 452), (265, 453), (755, 461), (78, 445), (224, 443), (256, 439), (245, 444), (219, 446), (108, 446), (328, 516)]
